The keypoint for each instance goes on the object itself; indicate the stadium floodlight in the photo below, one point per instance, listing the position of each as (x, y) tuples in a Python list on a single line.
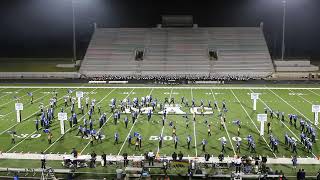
[(284, 2)]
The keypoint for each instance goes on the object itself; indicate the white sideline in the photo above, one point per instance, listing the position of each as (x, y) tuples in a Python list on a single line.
[(194, 130), (124, 142), (60, 157), (283, 123), (225, 126), (253, 123)]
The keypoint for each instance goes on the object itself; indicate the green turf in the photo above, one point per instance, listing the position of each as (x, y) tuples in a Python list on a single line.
[(238, 103)]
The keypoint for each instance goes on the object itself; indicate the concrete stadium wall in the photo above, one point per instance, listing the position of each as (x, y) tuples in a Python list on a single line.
[(39, 75), (297, 68), (292, 63)]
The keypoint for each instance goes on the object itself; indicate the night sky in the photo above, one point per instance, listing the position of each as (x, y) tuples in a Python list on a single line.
[(43, 28)]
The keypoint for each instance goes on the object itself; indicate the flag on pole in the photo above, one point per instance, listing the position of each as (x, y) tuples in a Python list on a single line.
[(29, 93)]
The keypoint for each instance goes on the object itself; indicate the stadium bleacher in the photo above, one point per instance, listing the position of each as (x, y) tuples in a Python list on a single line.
[(178, 51)]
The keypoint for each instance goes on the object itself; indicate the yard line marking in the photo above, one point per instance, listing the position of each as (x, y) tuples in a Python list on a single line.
[(18, 98), (79, 119), (131, 128), (225, 126), (28, 136), (158, 150), (195, 138), (253, 122), (21, 141), (194, 129), (3, 90), (28, 117), (10, 94), (28, 106), (300, 96), (293, 108), (313, 92), (283, 123)]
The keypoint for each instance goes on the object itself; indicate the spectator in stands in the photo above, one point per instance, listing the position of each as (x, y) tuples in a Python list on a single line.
[(180, 155), (174, 156)]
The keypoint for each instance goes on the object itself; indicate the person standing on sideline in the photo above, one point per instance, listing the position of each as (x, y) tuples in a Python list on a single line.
[(43, 161), (104, 159), (294, 162)]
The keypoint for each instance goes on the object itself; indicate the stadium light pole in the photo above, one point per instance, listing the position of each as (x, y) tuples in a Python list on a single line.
[(284, 2), (74, 33)]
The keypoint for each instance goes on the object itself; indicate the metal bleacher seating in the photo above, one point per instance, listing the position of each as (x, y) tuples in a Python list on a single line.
[(177, 51)]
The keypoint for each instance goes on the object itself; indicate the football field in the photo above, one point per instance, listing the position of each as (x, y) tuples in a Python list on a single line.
[(238, 103)]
